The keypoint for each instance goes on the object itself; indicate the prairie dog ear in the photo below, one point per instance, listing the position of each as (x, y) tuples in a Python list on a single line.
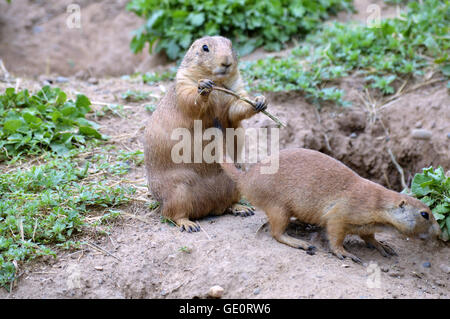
[(402, 203)]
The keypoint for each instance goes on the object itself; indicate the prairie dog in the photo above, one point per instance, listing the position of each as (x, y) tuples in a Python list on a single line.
[(194, 190), (317, 189)]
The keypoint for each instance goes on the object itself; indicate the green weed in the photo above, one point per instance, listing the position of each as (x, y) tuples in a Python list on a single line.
[(172, 25), (46, 205), (155, 77), (400, 48), (30, 124), (433, 188), (135, 96)]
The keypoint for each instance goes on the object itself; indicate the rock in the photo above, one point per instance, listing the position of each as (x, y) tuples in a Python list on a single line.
[(418, 124), (99, 268), (445, 268), (353, 135), (256, 291), (37, 29), (62, 79), (426, 264), (216, 292), (93, 81), (448, 135), (421, 134), (82, 75), (384, 268)]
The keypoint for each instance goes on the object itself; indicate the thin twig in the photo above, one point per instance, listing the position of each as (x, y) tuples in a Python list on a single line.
[(138, 218), (97, 247), (393, 159), (388, 101), (399, 168), (261, 228), (34, 229), (209, 237), (272, 117)]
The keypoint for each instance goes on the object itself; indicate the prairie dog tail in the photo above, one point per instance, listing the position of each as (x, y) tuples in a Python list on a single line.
[(232, 171)]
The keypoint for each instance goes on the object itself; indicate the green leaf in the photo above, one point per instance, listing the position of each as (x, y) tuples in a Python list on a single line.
[(446, 70), (59, 148), (196, 19), (419, 187), (62, 97), (31, 119), (83, 103), (89, 131), (11, 126)]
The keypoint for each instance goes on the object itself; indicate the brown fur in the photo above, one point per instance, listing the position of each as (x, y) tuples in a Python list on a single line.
[(317, 189), (195, 190)]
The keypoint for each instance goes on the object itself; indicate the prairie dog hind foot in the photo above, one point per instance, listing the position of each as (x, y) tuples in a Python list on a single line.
[(187, 225), (241, 210)]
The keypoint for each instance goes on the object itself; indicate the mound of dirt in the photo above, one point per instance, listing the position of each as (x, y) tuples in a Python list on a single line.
[(150, 259), (361, 137), (38, 37)]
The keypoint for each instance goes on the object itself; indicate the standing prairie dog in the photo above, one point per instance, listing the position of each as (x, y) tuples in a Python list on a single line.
[(317, 189), (194, 190)]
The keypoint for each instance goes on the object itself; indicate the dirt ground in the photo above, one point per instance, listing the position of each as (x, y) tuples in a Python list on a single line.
[(150, 259)]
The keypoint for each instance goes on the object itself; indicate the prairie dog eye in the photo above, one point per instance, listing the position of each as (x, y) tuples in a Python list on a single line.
[(425, 215), (205, 48)]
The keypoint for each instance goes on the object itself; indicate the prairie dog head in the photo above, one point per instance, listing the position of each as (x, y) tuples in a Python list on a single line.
[(412, 217), (211, 58)]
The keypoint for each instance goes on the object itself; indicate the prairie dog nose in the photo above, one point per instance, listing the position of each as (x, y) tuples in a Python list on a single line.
[(227, 62)]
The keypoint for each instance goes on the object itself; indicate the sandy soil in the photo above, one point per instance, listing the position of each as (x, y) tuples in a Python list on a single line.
[(151, 259), (35, 39), (155, 260)]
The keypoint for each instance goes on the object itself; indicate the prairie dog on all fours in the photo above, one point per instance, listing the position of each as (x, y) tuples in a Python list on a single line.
[(317, 189), (194, 190)]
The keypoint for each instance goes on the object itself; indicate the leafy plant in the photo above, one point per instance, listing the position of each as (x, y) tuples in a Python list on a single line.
[(150, 107), (46, 120), (433, 188), (185, 249), (400, 48), (172, 25), (154, 77), (46, 205), (135, 96), (168, 221), (288, 74), (114, 109)]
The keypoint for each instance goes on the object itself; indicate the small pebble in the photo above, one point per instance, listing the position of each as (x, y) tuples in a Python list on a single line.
[(62, 79), (418, 124), (92, 80), (353, 135), (426, 264), (421, 134), (99, 268), (384, 268), (216, 292), (256, 291), (37, 29), (82, 75), (445, 268), (448, 135)]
